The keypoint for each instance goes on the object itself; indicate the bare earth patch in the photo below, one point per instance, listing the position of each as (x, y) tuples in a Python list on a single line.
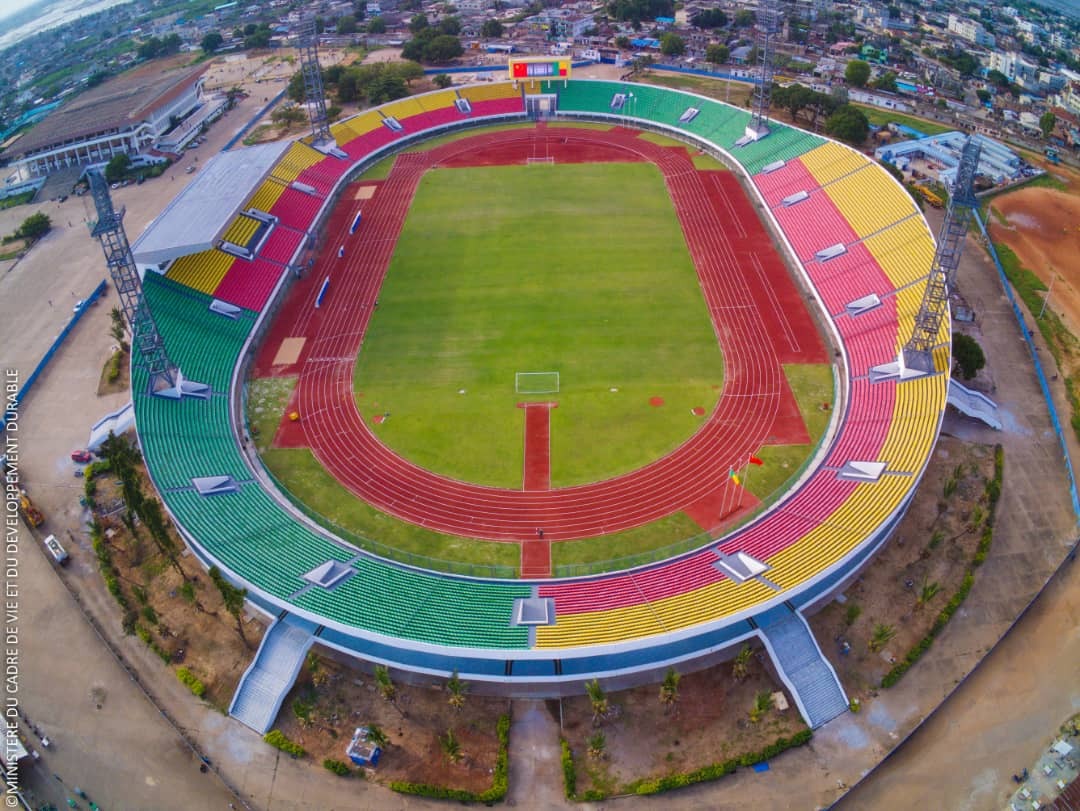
[(933, 546), (330, 700), (711, 724)]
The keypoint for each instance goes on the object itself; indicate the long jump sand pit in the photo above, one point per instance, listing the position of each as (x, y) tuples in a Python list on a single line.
[(1044, 231)]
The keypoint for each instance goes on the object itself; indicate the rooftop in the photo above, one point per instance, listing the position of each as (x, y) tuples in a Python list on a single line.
[(114, 105)]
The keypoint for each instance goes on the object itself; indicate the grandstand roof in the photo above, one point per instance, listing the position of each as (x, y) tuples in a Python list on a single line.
[(197, 217), (113, 106)]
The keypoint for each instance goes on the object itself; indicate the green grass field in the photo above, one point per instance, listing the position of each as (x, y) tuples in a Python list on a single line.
[(580, 269)]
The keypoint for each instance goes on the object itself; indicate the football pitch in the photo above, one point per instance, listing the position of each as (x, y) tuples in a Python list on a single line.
[(578, 268)]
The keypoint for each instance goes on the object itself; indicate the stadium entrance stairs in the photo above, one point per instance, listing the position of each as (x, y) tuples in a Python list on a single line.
[(973, 404), (802, 666), (272, 673)]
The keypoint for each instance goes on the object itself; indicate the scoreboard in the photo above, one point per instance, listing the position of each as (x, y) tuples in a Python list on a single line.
[(544, 67)]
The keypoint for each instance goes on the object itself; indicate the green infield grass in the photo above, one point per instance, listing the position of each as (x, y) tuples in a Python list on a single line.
[(581, 269)]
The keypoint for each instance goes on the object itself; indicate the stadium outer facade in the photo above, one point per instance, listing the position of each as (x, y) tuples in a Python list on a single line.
[(870, 263)]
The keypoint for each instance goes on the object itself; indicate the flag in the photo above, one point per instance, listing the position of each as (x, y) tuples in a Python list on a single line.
[(755, 461), (736, 479)]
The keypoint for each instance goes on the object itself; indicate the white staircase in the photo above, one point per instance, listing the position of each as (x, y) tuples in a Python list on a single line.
[(803, 667), (271, 673), (973, 404)]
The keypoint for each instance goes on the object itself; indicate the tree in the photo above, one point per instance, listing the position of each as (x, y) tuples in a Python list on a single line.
[(34, 227), (443, 49), (744, 18), (491, 29), (717, 54), (672, 45), (762, 704), (983, 95), (857, 73), (669, 690), (377, 737), (450, 746), (386, 686), (376, 25), (233, 598), (211, 42), (849, 124), (118, 328), (295, 89), (880, 637), (442, 80), (450, 25), (458, 690), (886, 81), (622, 42), (740, 668), (117, 167), (597, 700), (288, 115), (347, 24), (968, 355), (418, 23), (1047, 121), (709, 18)]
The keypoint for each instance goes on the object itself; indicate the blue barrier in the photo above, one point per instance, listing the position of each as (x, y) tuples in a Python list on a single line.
[(1043, 384), (322, 292), (251, 123), (52, 351), (356, 222)]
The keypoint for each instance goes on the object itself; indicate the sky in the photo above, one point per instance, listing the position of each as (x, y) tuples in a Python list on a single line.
[(51, 14)]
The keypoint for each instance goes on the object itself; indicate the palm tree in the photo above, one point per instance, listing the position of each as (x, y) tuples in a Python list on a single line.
[(377, 737), (598, 700), (597, 744), (669, 690), (926, 593), (740, 667), (457, 689), (880, 637), (386, 686), (762, 704), (450, 746)]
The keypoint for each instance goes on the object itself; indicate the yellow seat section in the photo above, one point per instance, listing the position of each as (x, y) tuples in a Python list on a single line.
[(908, 301), (870, 200), (831, 161), (905, 251), (352, 128), (711, 602), (201, 271), (918, 406), (485, 92), (296, 159), (437, 101), (241, 231), (266, 195), (403, 108)]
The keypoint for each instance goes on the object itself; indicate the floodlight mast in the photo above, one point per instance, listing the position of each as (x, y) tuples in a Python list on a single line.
[(314, 96), (166, 380), (917, 355), (768, 19)]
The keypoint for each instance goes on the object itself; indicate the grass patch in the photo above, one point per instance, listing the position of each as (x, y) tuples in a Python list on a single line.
[(705, 161), (881, 117), (662, 140), (4, 257), (327, 501), (267, 398), (617, 550), (601, 288), (17, 199)]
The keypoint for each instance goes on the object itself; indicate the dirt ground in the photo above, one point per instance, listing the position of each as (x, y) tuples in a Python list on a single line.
[(645, 740), (329, 701), (193, 630), (933, 545)]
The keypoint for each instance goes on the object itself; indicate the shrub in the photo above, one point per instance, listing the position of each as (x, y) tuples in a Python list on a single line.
[(852, 613), (568, 770), (189, 680), (277, 739), (499, 782), (338, 767)]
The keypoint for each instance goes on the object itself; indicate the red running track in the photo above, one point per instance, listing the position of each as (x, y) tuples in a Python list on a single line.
[(537, 467), (741, 422)]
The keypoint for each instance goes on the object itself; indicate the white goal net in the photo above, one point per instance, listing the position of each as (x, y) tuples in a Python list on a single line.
[(536, 382)]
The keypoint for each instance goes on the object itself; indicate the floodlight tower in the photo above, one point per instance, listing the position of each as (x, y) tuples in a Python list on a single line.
[(166, 380), (314, 97), (917, 355), (768, 24)]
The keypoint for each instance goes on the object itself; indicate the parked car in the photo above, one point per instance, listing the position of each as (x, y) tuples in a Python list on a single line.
[(81, 456)]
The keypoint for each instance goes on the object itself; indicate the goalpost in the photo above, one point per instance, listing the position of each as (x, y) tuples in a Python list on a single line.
[(541, 161), (536, 382)]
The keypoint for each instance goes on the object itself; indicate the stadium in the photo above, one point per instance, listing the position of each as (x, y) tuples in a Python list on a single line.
[(283, 274)]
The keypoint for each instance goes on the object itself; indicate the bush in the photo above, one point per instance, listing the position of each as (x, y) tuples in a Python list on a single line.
[(968, 355), (277, 739), (568, 770), (189, 680), (338, 767)]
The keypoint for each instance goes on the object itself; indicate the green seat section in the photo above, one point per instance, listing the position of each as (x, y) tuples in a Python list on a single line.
[(203, 344), (782, 143), (414, 605), (587, 97)]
